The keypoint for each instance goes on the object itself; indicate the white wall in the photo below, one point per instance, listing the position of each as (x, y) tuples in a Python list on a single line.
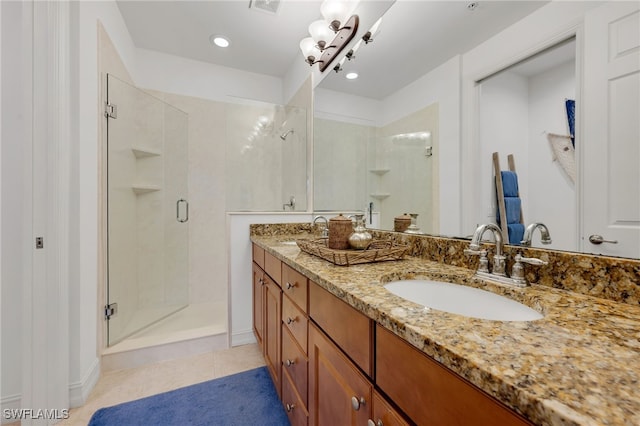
[(172, 74), (504, 128), (14, 155), (84, 312), (556, 207)]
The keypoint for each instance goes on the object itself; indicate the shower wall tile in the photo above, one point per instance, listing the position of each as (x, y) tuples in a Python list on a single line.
[(206, 152), (410, 178)]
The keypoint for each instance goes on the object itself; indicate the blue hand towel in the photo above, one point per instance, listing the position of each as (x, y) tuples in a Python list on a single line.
[(512, 208), (516, 232), (509, 184)]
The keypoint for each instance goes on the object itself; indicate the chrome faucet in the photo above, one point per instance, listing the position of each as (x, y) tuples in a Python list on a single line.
[(498, 258), (325, 230), (545, 238)]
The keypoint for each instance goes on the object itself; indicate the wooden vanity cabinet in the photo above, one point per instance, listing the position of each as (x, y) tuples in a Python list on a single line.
[(339, 394), (431, 394), (321, 355), (267, 310)]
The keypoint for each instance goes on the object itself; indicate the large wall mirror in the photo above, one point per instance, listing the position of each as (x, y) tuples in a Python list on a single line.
[(379, 144)]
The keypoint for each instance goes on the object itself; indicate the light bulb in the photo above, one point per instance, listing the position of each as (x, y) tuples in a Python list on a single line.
[(334, 12), (321, 33)]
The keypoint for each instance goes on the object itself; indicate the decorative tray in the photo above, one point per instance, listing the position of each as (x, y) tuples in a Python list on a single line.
[(378, 251)]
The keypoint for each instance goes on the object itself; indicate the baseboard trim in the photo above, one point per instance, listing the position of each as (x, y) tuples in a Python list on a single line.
[(11, 402), (243, 338), (79, 391), (163, 352)]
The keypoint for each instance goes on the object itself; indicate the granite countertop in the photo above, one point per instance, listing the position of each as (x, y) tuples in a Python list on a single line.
[(579, 365)]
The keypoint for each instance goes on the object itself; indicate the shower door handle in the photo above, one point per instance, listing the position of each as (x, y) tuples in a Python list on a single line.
[(186, 203)]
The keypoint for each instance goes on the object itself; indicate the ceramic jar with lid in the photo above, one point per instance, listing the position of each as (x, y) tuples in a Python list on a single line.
[(401, 223), (340, 228)]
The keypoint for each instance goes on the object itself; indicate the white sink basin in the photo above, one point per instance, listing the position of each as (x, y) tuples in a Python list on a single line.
[(462, 300)]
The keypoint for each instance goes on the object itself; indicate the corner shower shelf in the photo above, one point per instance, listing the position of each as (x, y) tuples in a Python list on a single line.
[(379, 172), (144, 153), (380, 196), (144, 189)]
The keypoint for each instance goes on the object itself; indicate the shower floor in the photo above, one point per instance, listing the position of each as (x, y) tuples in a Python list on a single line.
[(195, 329)]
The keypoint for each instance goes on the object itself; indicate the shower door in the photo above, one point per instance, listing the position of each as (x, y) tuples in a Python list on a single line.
[(148, 214)]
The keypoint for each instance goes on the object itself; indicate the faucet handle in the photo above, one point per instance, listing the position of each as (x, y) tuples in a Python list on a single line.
[(517, 273), (484, 262), (530, 260)]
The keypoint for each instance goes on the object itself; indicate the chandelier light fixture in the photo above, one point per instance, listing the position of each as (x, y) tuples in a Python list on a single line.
[(330, 35)]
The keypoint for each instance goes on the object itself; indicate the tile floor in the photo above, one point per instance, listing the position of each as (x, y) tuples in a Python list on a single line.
[(119, 386)]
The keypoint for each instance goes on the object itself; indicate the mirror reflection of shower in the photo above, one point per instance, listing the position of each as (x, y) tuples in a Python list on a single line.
[(266, 157)]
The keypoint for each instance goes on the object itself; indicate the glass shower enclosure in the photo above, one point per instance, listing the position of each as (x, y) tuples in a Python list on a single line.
[(148, 211)]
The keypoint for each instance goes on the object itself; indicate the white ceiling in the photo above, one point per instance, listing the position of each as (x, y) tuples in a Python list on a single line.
[(415, 36)]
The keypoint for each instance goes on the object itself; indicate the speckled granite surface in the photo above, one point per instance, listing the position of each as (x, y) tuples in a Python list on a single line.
[(580, 365)]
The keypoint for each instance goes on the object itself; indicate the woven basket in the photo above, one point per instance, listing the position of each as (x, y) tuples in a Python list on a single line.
[(378, 251)]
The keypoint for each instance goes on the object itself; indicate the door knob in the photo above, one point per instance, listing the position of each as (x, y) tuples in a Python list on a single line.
[(598, 239)]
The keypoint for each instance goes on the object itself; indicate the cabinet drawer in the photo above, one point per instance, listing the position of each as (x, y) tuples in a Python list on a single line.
[(296, 411), (295, 363), (402, 372), (294, 285), (351, 330), (294, 320), (258, 255), (273, 267)]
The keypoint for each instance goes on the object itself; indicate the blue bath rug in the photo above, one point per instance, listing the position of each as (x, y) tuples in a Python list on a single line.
[(247, 398)]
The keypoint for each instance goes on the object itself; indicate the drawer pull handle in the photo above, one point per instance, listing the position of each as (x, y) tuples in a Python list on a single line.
[(357, 402), (372, 423), (290, 286), (290, 362), (290, 320), (290, 407)]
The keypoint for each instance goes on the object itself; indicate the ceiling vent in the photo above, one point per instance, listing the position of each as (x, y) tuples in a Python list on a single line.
[(270, 6)]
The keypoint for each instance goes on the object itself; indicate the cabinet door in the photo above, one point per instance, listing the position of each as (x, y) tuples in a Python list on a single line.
[(338, 393), (272, 330), (258, 300), (383, 414)]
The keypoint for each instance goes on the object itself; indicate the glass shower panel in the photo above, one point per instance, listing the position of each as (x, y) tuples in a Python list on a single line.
[(147, 209), (266, 153)]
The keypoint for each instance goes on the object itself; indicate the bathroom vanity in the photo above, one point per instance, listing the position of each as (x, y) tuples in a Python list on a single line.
[(342, 349)]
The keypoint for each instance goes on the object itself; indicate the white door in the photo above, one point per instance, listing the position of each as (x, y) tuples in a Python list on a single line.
[(610, 141)]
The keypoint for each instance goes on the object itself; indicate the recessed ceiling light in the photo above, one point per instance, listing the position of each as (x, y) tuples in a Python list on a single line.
[(219, 40), (351, 75)]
